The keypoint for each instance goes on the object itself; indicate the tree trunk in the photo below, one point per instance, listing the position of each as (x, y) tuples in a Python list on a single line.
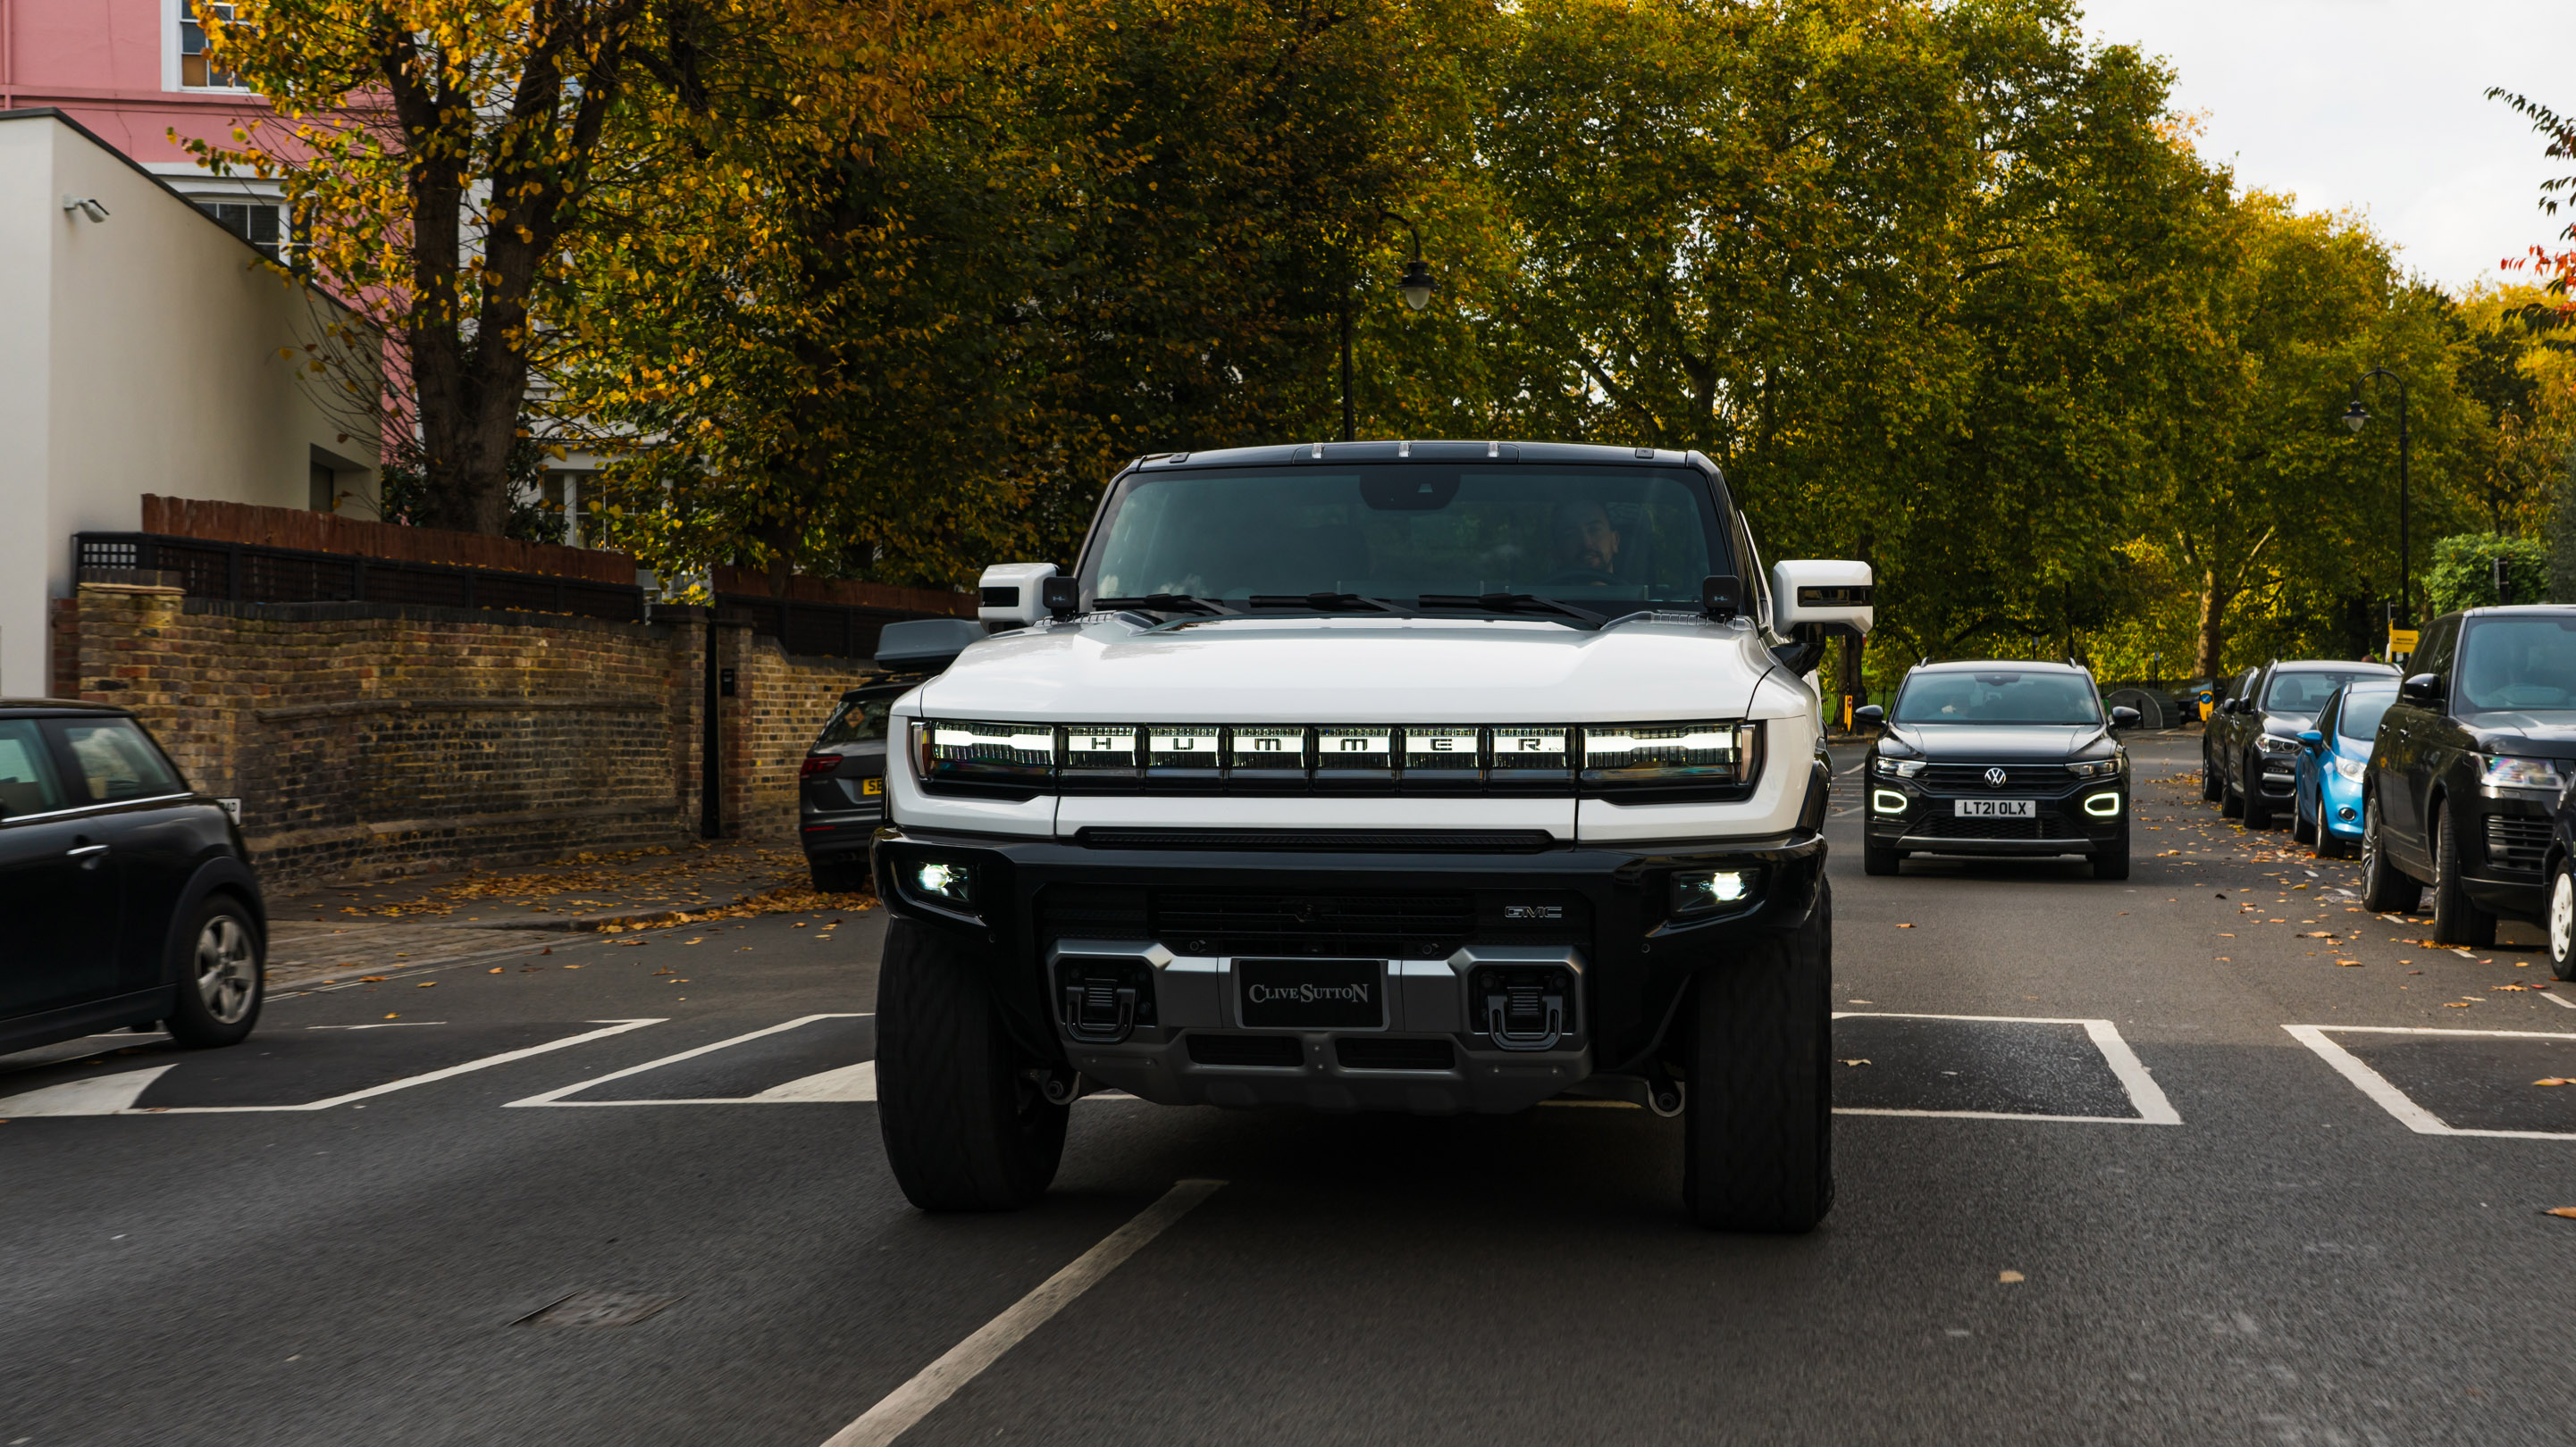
[(2213, 622)]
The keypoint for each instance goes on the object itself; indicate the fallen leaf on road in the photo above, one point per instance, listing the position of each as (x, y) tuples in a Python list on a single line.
[(2554, 1080), (393, 1017), (1905, 926), (496, 969), (2349, 964), (2567, 1211), (370, 979), (1864, 1062), (2009, 1276), (572, 967), (2457, 1004), (550, 949), (426, 985)]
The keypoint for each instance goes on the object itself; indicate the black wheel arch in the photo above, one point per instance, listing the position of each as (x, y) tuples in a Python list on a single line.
[(222, 874)]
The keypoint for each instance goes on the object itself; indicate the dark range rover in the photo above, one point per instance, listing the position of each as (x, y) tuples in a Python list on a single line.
[(1998, 758), (2469, 767)]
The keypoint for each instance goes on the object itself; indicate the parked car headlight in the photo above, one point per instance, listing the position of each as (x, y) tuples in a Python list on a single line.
[(2275, 744), (2508, 771), (2094, 768), (2350, 768), (1897, 768)]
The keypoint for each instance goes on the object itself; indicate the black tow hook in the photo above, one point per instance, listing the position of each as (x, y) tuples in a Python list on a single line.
[(1664, 1095)]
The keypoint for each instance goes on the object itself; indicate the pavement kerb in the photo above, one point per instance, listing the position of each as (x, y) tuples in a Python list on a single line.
[(588, 923)]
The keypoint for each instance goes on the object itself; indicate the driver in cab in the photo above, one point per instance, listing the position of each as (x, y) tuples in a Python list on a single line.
[(1587, 546)]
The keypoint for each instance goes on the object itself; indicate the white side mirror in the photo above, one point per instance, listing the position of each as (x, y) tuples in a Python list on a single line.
[(1010, 593), (1830, 593)]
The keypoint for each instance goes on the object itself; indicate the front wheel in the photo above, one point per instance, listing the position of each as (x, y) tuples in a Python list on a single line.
[(965, 1127), (221, 979), (2456, 918), (2562, 922), (1877, 858), (2112, 860), (2303, 829), (2256, 808), (2384, 887), (1757, 1134)]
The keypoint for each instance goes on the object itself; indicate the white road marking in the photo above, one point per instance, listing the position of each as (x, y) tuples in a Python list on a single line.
[(380, 1025), (2396, 1102), (615, 1027), (98, 1095), (843, 1080), (2559, 1000), (2144, 1094), (962, 1363)]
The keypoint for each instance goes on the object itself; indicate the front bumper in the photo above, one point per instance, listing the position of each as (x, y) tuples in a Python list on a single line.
[(1919, 820), (1179, 933), (2504, 836)]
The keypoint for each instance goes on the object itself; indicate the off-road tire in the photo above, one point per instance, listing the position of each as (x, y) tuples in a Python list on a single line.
[(838, 876), (2112, 862), (1876, 858), (965, 1128), (2560, 922), (2256, 809), (2456, 919), (1757, 1134), (208, 1014), (2384, 886)]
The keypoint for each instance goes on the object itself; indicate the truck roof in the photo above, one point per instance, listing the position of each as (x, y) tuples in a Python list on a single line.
[(1430, 450)]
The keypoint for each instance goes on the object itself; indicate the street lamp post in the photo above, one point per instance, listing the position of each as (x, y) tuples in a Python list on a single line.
[(1416, 288), (2354, 417)]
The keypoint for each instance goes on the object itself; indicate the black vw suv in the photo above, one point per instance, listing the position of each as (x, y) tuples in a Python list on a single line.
[(1998, 758), (2470, 764)]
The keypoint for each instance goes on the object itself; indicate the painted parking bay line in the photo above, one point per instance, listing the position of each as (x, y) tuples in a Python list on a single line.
[(964, 1362), (2127, 1073), (116, 1094), (847, 1083), (2387, 1095)]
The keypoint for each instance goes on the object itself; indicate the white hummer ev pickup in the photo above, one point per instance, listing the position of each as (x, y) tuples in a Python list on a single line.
[(1420, 776)]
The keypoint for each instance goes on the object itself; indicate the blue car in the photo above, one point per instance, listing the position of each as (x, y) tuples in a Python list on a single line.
[(2325, 803)]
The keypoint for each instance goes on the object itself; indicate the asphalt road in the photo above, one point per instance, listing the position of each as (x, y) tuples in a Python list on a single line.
[(2118, 1201)]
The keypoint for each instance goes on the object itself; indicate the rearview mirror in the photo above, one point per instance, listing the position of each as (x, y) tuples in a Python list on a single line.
[(1869, 716), (2125, 717), (2423, 688), (1832, 595), (2312, 738), (1007, 594)]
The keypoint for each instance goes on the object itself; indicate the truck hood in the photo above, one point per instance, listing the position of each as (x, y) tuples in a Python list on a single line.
[(1362, 670)]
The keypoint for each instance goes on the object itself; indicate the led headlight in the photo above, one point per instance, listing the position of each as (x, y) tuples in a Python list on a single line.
[(942, 881), (2275, 744), (1699, 892), (1665, 755), (2094, 768), (1896, 768), (2508, 771), (2351, 768), (984, 753)]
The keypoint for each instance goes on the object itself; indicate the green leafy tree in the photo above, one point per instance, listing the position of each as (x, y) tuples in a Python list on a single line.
[(2463, 574)]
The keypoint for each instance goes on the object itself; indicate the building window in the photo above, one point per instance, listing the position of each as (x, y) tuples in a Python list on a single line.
[(196, 68), (250, 221)]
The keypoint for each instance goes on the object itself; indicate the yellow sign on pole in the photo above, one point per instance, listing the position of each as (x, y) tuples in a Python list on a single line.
[(2401, 640)]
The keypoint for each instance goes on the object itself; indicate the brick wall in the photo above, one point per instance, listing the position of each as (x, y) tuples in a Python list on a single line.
[(366, 738)]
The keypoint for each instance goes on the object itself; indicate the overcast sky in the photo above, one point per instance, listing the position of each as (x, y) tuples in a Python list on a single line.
[(2378, 106)]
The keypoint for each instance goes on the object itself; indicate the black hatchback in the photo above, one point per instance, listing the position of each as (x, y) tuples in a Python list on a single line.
[(1996, 758), (125, 896), (840, 789)]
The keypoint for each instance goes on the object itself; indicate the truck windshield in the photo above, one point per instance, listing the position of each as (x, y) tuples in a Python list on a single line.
[(2525, 665), (2307, 690), (1997, 698), (1590, 536)]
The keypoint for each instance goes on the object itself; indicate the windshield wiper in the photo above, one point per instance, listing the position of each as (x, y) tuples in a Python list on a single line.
[(1166, 603), (1514, 603), (1327, 603)]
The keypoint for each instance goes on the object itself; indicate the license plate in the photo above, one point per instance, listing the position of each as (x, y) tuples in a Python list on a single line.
[(1311, 994), (872, 786), (1995, 808)]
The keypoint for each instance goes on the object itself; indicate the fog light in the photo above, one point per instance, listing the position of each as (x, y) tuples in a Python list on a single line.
[(2346, 814), (2103, 806), (1711, 891), (1886, 801), (943, 881)]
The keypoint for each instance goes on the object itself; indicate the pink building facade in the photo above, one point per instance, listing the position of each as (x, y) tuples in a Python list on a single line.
[(133, 71)]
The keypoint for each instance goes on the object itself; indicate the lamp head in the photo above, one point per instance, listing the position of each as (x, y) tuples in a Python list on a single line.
[(2355, 415), (1418, 284)]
